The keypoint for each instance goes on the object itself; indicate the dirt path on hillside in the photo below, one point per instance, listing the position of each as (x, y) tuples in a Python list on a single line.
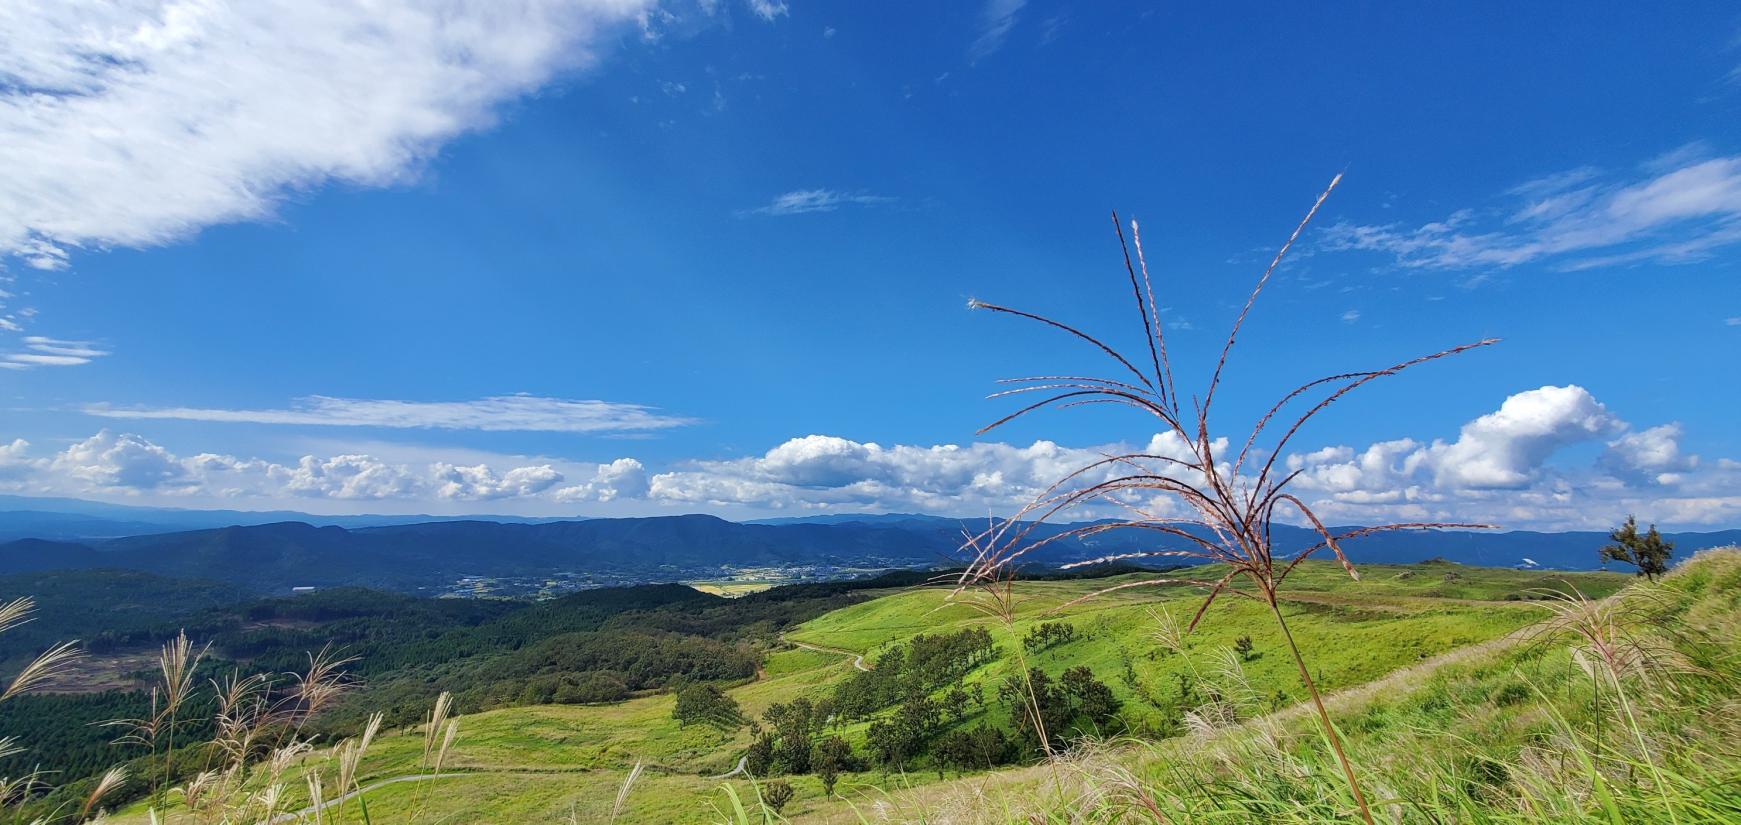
[(857, 658)]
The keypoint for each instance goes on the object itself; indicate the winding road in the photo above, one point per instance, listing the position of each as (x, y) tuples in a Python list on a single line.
[(857, 658), (743, 767)]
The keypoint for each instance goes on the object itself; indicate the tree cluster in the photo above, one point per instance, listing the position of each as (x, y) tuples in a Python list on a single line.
[(1048, 634), (1048, 713)]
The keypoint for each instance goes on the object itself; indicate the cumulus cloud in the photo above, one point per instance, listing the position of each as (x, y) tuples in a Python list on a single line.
[(125, 461), (1652, 455), (479, 482), (820, 471), (135, 124), (524, 413), (15, 460), (1500, 470), (1681, 208), (624, 478), (804, 201), (1504, 449), (127, 464), (1504, 467)]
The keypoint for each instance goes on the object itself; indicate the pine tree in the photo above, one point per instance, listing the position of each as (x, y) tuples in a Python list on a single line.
[(1649, 553)]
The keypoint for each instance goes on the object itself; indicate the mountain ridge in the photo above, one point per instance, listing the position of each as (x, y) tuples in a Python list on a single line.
[(425, 555)]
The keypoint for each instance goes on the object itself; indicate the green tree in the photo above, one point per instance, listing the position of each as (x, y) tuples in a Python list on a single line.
[(829, 758), (708, 705), (777, 793), (1090, 698), (1649, 553), (759, 759)]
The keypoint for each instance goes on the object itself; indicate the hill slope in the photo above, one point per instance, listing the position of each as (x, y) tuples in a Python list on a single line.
[(538, 763)]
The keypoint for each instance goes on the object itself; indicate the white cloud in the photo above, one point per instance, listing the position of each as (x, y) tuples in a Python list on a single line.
[(1499, 471), (1733, 322), (624, 478), (54, 346), (136, 124), (49, 352), (110, 460), (821, 471), (125, 464), (1652, 455), (341, 477), (15, 460), (479, 482), (1681, 210), (803, 201), (1504, 467), (767, 9), (996, 18), (525, 413), (1505, 449), (1351, 316)]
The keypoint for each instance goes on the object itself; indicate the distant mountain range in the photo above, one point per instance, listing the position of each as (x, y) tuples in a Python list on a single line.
[(71, 519), (413, 553)]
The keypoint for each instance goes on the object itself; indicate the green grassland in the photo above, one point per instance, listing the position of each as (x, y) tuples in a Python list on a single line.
[(548, 763), (1534, 727)]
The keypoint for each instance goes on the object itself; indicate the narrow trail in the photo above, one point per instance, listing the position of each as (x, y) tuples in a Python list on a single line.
[(743, 767), (857, 658)]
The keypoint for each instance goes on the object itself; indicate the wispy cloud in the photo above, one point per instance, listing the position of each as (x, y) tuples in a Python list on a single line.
[(523, 413), (134, 124), (996, 19), (1682, 208), (1351, 316), (804, 201), (50, 352), (767, 9)]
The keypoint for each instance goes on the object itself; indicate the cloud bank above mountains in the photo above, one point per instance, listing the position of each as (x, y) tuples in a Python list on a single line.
[(1501, 468)]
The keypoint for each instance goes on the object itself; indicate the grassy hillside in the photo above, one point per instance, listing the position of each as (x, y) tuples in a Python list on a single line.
[(1621, 711), (543, 763)]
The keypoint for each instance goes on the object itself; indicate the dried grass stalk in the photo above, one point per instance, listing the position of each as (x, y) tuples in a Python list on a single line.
[(1232, 509)]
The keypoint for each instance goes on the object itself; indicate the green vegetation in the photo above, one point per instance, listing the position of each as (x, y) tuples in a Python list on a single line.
[(1116, 677), (1649, 553), (1615, 711), (708, 705), (595, 646)]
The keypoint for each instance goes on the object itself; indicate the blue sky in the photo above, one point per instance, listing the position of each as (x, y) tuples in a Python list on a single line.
[(612, 257)]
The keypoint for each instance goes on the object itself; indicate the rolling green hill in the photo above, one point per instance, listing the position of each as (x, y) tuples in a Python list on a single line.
[(544, 763)]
